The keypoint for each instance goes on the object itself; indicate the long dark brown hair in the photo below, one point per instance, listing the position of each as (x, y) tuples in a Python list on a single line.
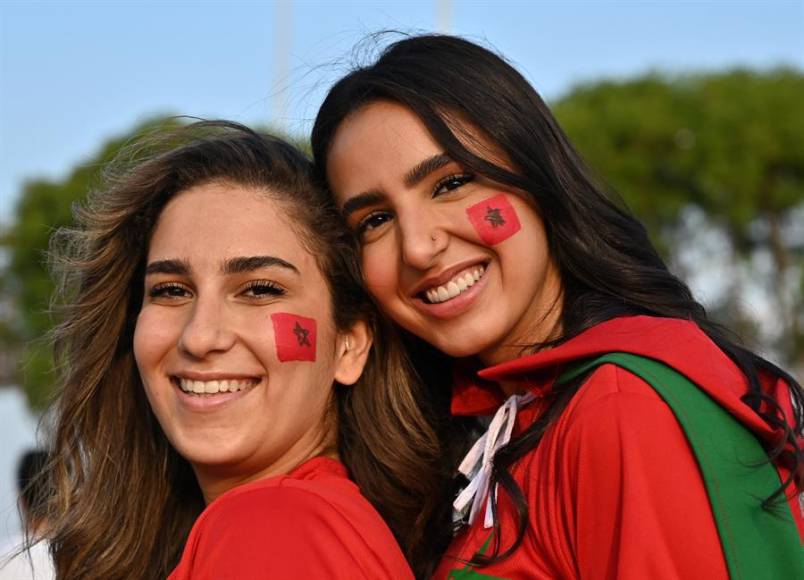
[(607, 263), (125, 500)]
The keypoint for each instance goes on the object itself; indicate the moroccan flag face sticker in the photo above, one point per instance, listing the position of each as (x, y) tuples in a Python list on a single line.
[(494, 219), (295, 337)]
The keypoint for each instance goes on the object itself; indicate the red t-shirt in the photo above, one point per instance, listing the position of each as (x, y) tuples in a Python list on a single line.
[(311, 523), (613, 488)]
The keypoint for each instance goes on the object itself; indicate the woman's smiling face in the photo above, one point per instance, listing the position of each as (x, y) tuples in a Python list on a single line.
[(452, 257), (235, 342)]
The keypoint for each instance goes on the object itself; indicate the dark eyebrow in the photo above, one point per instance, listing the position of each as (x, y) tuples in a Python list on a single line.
[(178, 267), (249, 263), (425, 168), (413, 177), (360, 201)]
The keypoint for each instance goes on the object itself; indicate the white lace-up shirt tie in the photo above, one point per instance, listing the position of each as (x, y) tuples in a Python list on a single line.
[(477, 464)]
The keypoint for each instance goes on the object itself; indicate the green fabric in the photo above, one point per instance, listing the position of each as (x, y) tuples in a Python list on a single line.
[(469, 572), (758, 544)]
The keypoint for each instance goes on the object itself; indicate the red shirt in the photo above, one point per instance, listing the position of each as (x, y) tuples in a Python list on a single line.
[(311, 523), (613, 488)]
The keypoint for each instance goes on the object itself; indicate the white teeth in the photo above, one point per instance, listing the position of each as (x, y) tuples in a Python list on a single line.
[(455, 286), (213, 387)]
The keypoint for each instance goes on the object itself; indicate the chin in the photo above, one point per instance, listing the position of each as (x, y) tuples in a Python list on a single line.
[(460, 350), (204, 454)]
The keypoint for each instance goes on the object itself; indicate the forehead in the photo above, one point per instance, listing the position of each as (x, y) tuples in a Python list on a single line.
[(384, 123), (215, 221), (380, 137), (377, 145)]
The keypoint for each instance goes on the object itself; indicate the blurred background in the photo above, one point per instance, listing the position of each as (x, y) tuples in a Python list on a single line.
[(692, 111)]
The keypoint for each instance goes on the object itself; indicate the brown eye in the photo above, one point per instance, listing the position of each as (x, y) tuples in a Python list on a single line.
[(372, 221), (452, 183), (263, 288), (169, 290)]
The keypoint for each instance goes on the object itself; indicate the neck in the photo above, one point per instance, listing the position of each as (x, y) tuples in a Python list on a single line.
[(540, 323), (215, 480), (526, 342), (512, 388)]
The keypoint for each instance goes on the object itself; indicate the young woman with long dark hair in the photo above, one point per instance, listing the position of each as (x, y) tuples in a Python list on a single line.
[(219, 379), (617, 403)]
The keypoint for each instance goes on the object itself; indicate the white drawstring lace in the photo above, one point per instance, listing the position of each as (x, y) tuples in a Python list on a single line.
[(477, 464)]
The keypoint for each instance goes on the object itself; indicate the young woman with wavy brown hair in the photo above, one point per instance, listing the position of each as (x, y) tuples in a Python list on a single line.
[(220, 365), (630, 435)]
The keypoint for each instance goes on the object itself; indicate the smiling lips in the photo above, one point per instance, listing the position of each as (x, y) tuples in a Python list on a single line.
[(458, 284), (214, 387)]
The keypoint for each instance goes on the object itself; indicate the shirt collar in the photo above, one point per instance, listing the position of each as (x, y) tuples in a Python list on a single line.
[(474, 395)]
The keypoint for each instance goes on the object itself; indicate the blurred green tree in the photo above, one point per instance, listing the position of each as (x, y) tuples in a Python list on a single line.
[(25, 282), (729, 145)]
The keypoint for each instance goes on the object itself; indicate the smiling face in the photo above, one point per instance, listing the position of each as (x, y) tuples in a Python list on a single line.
[(235, 342), (452, 257)]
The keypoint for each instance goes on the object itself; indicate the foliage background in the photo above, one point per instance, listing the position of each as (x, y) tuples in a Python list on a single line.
[(705, 157), (711, 160)]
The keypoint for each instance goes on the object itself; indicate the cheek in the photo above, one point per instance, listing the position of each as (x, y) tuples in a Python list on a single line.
[(380, 271), (527, 260), (154, 337), (494, 219), (153, 340), (294, 336)]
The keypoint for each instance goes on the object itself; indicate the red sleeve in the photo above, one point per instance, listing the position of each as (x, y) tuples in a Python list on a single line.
[(634, 495), (280, 532)]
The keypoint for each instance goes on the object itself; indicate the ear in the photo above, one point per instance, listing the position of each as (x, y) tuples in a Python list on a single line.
[(353, 350)]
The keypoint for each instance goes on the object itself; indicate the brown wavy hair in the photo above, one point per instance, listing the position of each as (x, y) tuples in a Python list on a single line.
[(125, 499)]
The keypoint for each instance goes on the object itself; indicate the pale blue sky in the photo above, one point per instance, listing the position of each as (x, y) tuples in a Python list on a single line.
[(73, 74)]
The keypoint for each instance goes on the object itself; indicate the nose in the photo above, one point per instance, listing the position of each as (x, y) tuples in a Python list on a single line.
[(422, 240), (206, 331)]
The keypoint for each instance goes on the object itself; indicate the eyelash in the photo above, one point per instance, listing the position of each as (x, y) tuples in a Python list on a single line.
[(163, 290), (168, 290), (270, 288), (456, 180), (365, 225)]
